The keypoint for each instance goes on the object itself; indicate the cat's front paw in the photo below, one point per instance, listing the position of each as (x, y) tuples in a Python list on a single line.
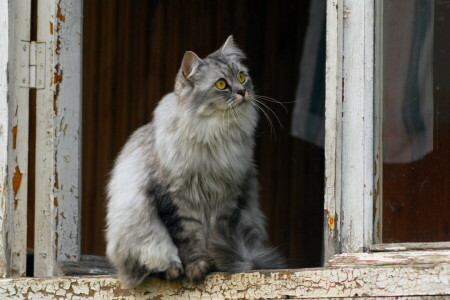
[(174, 271), (197, 270)]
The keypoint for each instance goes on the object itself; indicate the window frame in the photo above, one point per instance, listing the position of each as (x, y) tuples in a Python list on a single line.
[(52, 67), (349, 127), (353, 267), (353, 146)]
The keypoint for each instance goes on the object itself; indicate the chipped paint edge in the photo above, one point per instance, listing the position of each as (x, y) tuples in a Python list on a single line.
[(356, 212), (433, 257), (18, 127), (46, 214), (58, 140), (4, 56), (333, 108), (67, 105), (305, 284)]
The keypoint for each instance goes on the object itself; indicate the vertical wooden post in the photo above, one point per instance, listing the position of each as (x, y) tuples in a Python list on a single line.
[(333, 119), (357, 126), (58, 139), (4, 51), (67, 106), (19, 72)]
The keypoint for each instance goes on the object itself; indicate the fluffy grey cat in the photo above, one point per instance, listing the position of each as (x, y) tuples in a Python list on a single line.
[(183, 194)]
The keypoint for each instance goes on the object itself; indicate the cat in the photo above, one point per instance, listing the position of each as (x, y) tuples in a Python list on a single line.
[(183, 193)]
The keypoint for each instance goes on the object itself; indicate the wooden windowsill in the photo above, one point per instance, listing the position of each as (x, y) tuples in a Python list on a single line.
[(426, 278)]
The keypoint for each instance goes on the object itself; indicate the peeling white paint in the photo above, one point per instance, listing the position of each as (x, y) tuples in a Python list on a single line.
[(58, 144), (357, 126), (46, 212), (349, 126), (390, 281), (390, 258), (333, 104), (4, 44), (67, 127), (19, 16)]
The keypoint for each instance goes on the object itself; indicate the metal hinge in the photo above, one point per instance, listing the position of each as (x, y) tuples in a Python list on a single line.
[(32, 70)]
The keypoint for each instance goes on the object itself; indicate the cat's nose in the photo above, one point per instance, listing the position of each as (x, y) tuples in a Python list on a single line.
[(242, 92)]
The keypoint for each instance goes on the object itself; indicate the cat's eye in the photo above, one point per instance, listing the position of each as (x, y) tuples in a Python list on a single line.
[(241, 77), (221, 84)]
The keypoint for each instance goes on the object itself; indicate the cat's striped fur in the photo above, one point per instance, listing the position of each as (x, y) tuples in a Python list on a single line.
[(183, 194)]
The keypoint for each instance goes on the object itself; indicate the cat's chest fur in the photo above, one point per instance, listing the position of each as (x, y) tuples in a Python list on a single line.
[(206, 160), (208, 174)]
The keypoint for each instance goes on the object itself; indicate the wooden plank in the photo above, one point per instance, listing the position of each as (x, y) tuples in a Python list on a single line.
[(390, 258), (20, 15), (67, 104), (368, 122), (333, 108), (357, 128), (58, 143), (4, 56), (46, 204), (88, 265), (320, 283), (410, 246)]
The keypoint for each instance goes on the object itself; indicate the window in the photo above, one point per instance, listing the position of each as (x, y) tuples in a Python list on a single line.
[(357, 263), (414, 198)]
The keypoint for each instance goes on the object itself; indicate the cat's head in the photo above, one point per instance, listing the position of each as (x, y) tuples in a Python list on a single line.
[(215, 84)]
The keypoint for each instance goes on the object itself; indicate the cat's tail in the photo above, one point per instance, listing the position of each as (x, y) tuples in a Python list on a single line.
[(243, 251)]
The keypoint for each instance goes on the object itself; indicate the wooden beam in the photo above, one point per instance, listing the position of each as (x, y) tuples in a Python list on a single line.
[(321, 283), (390, 258), (357, 175), (4, 56), (67, 103), (333, 127), (410, 246), (87, 265), (58, 117), (19, 73)]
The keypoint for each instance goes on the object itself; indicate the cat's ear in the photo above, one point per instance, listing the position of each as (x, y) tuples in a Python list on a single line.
[(190, 64), (229, 43), (230, 49)]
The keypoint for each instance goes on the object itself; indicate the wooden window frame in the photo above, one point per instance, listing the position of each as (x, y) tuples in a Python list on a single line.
[(52, 66), (353, 146), (354, 265)]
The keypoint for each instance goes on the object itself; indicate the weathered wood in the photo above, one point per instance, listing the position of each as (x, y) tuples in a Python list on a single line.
[(390, 258), (19, 72), (58, 140), (410, 246), (46, 207), (389, 281), (88, 265), (357, 128), (67, 105), (4, 43), (333, 108)]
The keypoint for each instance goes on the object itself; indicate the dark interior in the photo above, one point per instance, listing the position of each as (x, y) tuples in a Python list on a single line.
[(132, 51)]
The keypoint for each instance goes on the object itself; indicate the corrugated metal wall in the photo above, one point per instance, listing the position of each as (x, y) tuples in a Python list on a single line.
[(132, 51)]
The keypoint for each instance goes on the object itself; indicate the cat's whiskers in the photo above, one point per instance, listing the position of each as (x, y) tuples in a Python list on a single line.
[(255, 104), (270, 99), (271, 110)]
